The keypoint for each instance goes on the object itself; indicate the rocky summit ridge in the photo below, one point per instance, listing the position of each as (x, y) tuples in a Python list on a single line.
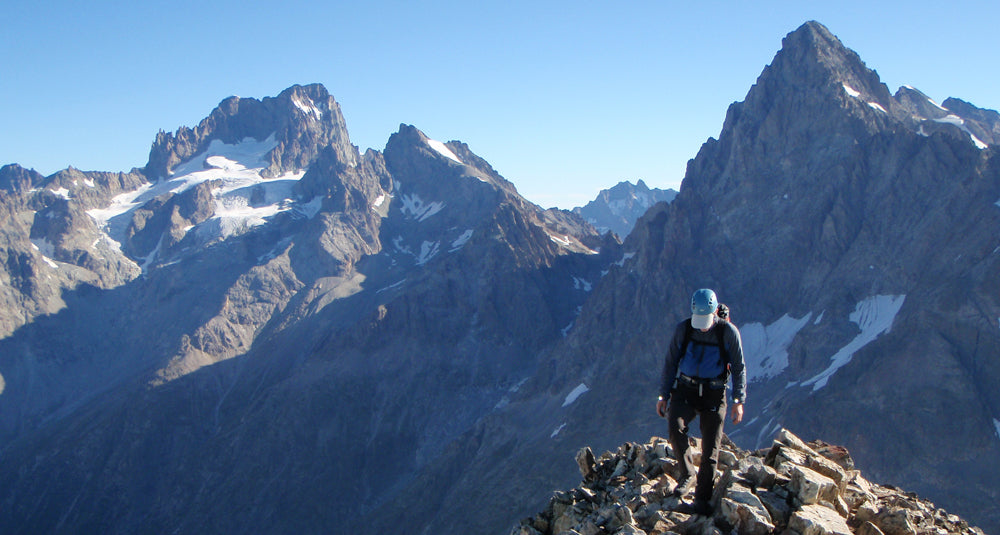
[(793, 488)]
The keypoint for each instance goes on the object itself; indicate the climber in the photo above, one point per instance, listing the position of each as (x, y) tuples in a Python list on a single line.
[(705, 351)]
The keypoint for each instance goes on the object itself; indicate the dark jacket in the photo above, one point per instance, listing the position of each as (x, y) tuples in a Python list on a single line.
[(702, 352)]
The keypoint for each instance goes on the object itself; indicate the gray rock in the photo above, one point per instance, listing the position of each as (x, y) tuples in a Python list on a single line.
[(811, 487), (818, 520)]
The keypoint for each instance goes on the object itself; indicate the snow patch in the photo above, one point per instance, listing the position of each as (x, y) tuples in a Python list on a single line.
[(152, 256), (563, 241), (461, 240), (874, 317), (581, 284), (940, 107), (626, 256), (416, 207), (43, 246), (766, 348), (576, 393), (428, 250), (565, 330), (391, 286), (378, 202), (557, 430), (237, 169), (957, 121), (877, 106), (311, 208), (307, 107), (443, 150), (61, 192), (89, 183), (996, 426), (851, 91)]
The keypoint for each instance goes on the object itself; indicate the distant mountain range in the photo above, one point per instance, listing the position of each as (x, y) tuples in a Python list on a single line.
[(265, 330), (617, 209)]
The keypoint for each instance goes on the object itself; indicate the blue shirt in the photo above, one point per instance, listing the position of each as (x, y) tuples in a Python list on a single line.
[(702, 357)]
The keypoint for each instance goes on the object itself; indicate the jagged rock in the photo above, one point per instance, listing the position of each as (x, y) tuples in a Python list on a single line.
[(895, 522), (743, 510), (818, 520), (626, 494), (811, 487)]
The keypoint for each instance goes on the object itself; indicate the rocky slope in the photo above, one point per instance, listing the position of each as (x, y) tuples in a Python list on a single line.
[(617, 209), (792, 487)]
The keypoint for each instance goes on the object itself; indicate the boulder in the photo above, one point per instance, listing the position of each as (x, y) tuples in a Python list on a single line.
[(811, 487), (818, 520)]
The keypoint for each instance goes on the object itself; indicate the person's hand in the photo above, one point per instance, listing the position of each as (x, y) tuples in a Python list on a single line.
[(737, 413), (661, 408)]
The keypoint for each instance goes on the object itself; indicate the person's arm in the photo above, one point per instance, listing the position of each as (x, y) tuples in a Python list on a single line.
[(737, 367), (669, 372)]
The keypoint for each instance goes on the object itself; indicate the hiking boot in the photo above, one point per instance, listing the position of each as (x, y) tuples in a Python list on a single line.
[(697, 508), (684, 485)]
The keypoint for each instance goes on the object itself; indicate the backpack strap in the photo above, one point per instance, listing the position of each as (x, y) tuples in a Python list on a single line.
[(688, 329), (720, 335)]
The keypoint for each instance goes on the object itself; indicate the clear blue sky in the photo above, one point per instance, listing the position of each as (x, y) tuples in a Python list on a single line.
[(563, 98)]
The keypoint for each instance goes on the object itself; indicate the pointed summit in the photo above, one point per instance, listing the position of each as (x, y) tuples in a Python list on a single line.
[(815, 96), (815, 61)]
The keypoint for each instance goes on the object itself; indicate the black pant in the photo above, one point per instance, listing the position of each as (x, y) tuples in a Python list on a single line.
[(686, 402)]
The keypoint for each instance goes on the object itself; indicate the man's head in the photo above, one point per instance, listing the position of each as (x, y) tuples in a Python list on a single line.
[(703, 306)]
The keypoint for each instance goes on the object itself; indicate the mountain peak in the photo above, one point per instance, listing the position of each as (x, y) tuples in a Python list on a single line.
[(303, 119), (816, 33), (815, 58), (618, 208)]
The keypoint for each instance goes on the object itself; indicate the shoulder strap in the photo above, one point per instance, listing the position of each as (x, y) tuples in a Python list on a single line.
[(720, 335), (688, 329)]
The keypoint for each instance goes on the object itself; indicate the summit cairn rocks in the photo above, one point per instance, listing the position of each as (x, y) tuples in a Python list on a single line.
[(792, 488)]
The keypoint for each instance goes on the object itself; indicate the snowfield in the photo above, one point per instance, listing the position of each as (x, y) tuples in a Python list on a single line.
[(236, 169)]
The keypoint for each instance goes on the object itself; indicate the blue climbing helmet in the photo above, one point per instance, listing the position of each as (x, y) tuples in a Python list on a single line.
[(703, 307)]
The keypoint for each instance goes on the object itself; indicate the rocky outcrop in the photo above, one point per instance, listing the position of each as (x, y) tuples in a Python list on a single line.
[(792, 488)]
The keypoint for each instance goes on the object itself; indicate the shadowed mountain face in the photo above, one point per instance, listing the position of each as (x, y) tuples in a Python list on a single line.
[(297, 330), (265, 330)]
